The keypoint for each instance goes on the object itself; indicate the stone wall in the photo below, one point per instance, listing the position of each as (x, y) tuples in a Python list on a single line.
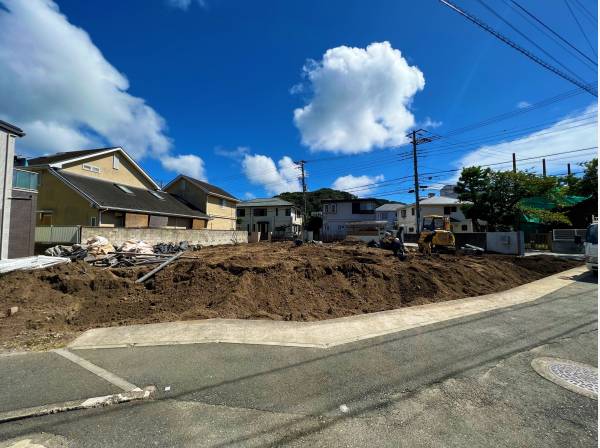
[(205, 237)]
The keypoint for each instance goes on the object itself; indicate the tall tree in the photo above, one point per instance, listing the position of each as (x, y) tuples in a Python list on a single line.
[(496, 196)]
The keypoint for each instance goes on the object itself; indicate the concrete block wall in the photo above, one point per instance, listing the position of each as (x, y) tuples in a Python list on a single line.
[(512, 243), (205, 237)]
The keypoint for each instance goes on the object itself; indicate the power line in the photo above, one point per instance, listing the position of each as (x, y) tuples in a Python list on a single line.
[(579, 26), (588, 14), (553, 32), (528, 39), (520, 49)]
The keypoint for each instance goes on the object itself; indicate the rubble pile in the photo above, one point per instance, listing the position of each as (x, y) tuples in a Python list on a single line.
[(98, 251)]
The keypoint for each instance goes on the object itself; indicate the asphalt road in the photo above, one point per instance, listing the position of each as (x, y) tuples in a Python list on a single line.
[(465, 382)]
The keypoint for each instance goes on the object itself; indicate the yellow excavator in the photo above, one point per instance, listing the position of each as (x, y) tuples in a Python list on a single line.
[(436, 235)]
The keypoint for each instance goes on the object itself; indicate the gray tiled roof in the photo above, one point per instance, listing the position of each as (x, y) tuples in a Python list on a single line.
[(266, 202), (61, 156), (7, 127), (394, 206), (209, 187), (107, 195)]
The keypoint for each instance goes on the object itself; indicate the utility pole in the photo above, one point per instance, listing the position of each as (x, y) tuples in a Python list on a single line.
[(568, 169), (417, 140), (544, 167), (301, 163), (514, 163)]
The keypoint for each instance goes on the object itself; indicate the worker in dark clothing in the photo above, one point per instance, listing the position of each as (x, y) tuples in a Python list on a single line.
[(398, 244)]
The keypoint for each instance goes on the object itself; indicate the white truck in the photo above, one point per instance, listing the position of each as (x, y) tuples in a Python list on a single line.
[(591, 247)]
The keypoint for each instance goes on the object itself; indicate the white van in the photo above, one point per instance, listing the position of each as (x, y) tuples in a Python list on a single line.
[(591, 247)]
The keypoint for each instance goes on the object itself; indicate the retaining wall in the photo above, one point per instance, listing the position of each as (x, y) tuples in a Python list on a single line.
[(205, 237)]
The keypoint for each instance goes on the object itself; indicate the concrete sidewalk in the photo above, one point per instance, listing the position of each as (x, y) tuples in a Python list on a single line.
[(322, 334)]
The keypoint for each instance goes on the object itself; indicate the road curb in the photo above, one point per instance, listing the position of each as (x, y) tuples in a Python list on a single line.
[(88, 403), (322, 334)]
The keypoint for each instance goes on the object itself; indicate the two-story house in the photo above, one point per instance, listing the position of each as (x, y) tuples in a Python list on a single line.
[(275, 215), (435, 205), (339, 213), (389, 212), (219, 205), (106, 187)]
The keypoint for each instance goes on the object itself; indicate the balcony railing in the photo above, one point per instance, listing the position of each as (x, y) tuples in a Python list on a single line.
[(26, 180)]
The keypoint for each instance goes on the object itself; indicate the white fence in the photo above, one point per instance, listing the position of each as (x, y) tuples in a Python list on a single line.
[(58, 234), (568, 234)]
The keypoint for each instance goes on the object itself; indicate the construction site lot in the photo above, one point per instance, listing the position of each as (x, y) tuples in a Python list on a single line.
[(276, 281)]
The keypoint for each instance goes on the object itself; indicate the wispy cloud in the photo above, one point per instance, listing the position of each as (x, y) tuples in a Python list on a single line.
[(428, 123), (185, 4), (523, 104), (576, 131), (358, 185), (236, 154)]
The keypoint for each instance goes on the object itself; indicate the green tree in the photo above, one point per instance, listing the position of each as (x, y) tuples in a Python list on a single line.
[(313, 198), (587, 185), (495, 196)]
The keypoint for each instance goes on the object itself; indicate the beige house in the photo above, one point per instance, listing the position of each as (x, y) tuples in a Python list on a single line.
[(106, 187), (218, 204)]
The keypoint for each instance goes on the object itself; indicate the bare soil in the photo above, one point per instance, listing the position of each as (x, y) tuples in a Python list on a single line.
[(275, 281)]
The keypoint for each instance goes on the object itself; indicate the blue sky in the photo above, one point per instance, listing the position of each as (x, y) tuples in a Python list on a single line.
[(211, 88)]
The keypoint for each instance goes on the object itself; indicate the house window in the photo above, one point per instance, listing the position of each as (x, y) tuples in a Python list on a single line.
[(222, 203), (93, 221), (92, 168), (340, 227), (248, 228), (363, 208), (448, 210), (333, 208), (116, 162), (411, 230), (464, 227), (260, 212), (403, 213), (288, 212), (326, 208), (412, 211), (241, 212), (124, 189), (155, 194), (276, 211)]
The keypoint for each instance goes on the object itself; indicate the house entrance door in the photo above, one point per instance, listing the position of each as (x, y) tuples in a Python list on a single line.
[(263, 228)]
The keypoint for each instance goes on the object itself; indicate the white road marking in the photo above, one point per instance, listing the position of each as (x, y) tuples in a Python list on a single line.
[(98, 371)]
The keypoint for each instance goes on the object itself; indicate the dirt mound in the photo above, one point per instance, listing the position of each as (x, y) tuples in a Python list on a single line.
[(255, 281)]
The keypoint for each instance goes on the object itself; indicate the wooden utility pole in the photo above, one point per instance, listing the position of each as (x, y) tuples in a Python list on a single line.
[(514, 162), (544, 167), (568, 169)]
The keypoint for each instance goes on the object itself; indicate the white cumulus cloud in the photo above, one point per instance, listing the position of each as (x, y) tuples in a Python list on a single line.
[(360, 99), (261, 170), (357, 185), (576, 131), (59, 88), (188, 164)]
